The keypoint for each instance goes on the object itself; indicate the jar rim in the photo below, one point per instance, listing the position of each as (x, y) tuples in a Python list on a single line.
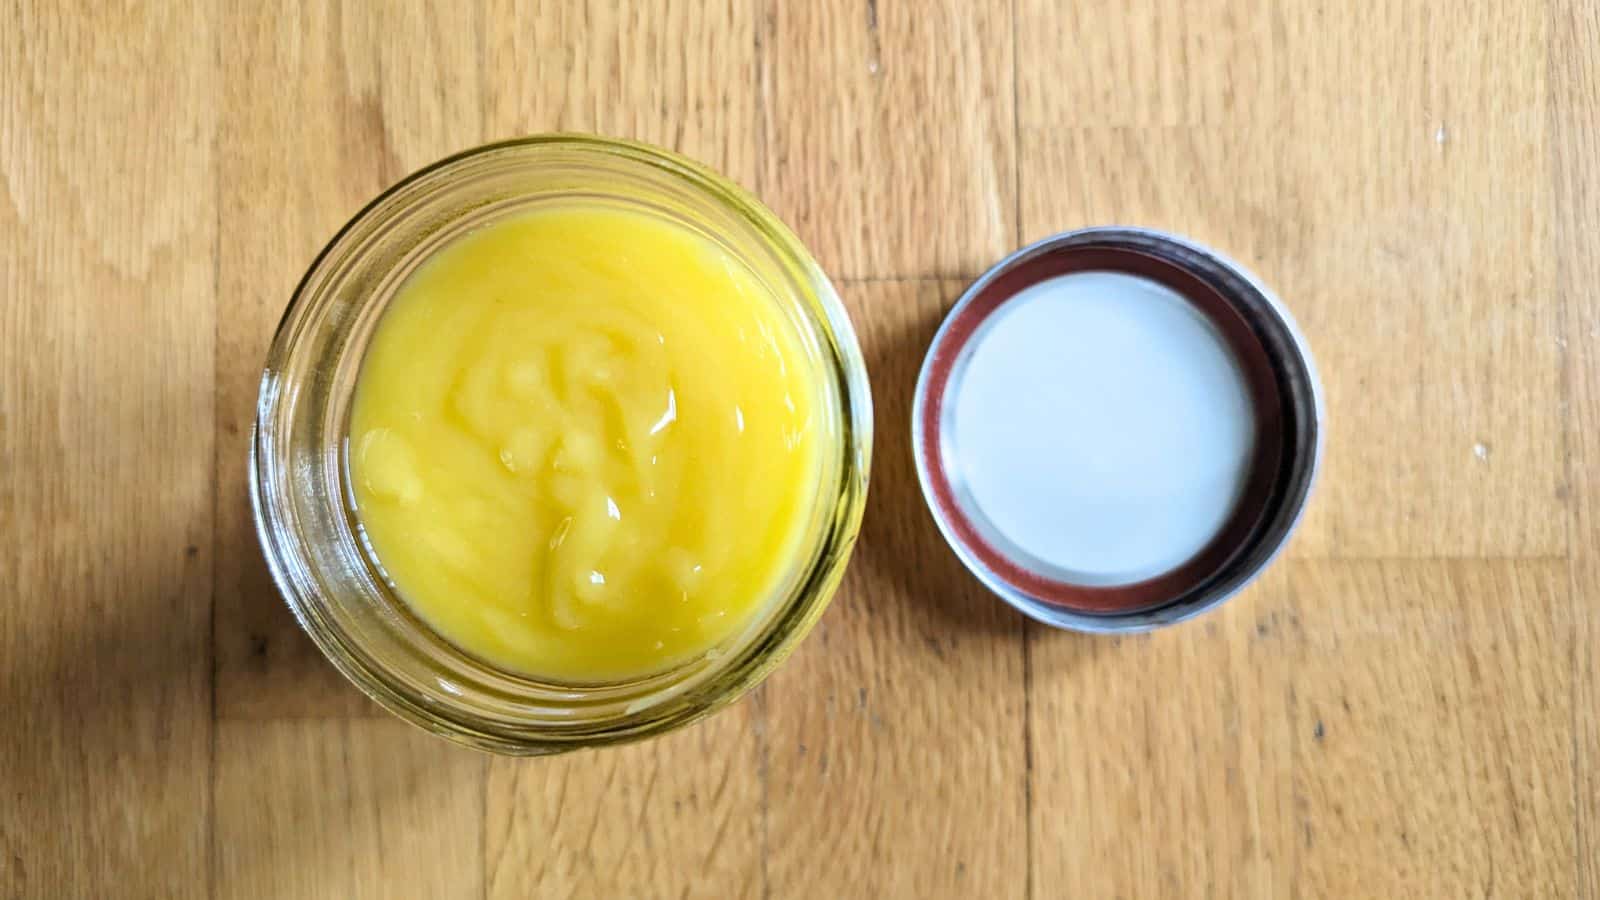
[(298, 577)]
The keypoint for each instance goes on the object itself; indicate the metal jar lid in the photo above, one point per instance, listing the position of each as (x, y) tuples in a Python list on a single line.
[(1116, 429)]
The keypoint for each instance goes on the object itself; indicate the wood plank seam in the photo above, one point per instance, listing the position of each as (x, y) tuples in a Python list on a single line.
[(218, 439), (1570, 93), (1028, 627)]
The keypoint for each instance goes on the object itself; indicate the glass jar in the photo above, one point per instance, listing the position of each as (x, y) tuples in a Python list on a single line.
[(305, 508)]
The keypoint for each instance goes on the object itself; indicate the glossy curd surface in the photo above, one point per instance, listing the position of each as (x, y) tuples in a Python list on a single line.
[(584, 443)]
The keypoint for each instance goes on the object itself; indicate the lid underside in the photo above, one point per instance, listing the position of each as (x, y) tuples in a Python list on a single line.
[(1098, 429)]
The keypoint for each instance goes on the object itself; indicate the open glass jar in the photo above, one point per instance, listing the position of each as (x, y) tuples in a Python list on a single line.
[(300, 486)]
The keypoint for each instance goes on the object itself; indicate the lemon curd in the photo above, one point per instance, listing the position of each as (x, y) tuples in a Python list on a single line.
[(584, 443)]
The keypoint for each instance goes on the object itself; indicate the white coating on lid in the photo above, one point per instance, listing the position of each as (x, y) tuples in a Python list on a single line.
[(1099, 429)]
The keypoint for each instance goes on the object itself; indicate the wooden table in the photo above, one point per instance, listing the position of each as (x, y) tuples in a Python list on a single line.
[(1407, 705)]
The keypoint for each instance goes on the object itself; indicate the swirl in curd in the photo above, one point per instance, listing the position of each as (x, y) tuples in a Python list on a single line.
[(584, 443)]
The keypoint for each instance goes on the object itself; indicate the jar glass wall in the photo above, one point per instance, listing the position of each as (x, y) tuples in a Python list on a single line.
[(305, 511)]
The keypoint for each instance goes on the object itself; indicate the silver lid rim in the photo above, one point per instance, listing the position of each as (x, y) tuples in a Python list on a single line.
[(1286, 517)]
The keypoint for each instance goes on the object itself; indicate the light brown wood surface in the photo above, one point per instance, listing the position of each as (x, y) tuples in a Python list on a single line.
[(1408, 704)]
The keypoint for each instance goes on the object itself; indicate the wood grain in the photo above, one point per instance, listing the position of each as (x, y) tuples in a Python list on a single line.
[(680, 75), (1407, 706), (890, 141), (1415, 184), (1323, 763), (353, 808), (1148, 63), (900, 723), (107, 232), (1454, 779), (1163, 763), (680, 816)]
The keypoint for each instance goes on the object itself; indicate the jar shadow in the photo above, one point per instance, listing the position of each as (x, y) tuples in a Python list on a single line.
[(122, 686), (266, 665), (114, 719)]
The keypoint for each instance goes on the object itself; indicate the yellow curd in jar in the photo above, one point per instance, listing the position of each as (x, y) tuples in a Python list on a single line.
[(584, 443)]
